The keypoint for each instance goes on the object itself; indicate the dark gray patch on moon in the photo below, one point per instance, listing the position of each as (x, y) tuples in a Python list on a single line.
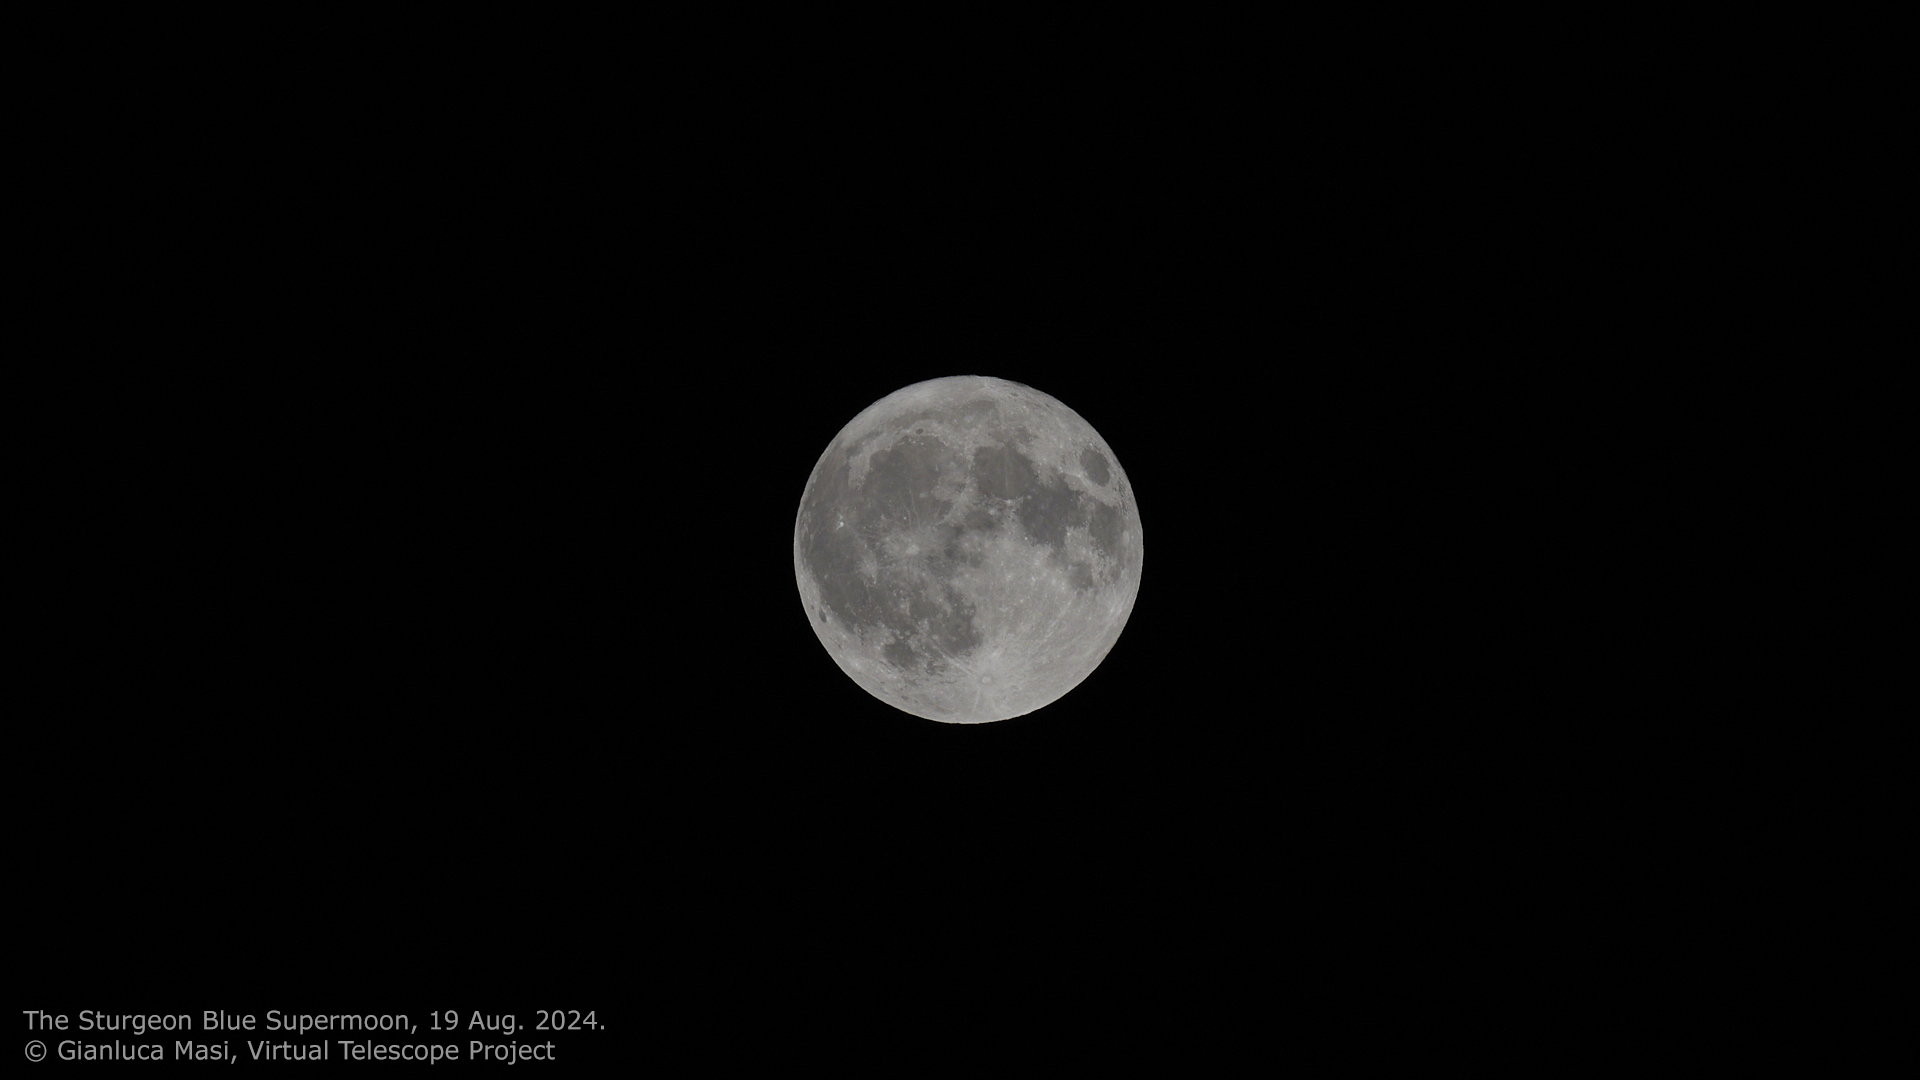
[(901, 479), (1002, 473), (1103, 525), (1094, 465), (1045, 509), (1048, 512)]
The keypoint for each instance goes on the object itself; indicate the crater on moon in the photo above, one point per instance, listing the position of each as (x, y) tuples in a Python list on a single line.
[(969, 548)]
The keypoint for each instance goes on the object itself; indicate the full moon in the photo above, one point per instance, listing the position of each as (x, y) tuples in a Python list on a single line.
[(968, 549)]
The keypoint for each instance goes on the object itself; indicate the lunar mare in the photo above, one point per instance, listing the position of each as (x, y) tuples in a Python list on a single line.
[(968, 549)]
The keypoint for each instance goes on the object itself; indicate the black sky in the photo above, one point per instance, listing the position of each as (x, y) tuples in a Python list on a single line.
[(445, 610)]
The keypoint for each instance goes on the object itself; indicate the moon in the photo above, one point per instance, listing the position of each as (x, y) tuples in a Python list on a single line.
[(968, 549)]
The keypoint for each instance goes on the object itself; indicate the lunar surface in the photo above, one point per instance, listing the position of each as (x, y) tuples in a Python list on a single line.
[(968, 549)]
